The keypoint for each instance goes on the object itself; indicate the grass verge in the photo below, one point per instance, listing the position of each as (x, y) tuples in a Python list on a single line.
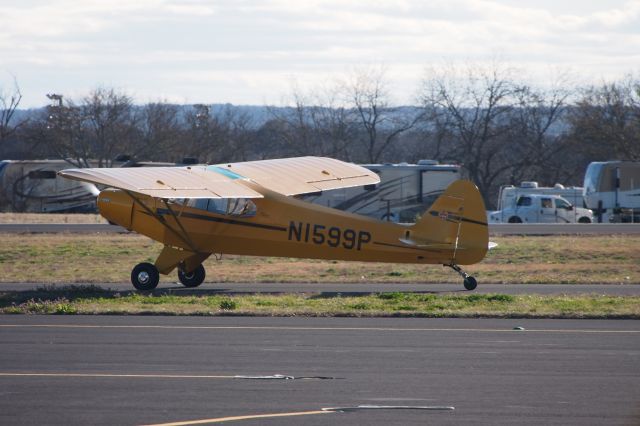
[(95, 300), (71, 258)]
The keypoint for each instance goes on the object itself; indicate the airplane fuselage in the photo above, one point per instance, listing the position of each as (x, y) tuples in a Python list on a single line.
[(281, 226)]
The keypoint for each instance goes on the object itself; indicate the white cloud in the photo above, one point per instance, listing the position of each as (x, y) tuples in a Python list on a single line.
[(250, 49)]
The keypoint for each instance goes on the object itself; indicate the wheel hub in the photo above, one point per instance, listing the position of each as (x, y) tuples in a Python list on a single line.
[(143, 277)]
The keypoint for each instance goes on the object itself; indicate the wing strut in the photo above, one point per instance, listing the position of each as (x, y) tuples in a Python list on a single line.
[(184, 236)]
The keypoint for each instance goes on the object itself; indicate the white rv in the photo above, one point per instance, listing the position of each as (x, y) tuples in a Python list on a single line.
[(405, 191), (612, 190), (34, 186)]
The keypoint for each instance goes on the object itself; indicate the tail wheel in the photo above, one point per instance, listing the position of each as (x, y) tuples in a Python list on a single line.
[(145, 276), (470, 283), (192, 279), (515, 219)]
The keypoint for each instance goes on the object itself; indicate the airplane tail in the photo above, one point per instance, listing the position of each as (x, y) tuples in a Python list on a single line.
[(457, 220)]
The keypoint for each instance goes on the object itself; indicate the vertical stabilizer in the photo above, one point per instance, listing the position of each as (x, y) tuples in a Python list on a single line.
[(457, 219)]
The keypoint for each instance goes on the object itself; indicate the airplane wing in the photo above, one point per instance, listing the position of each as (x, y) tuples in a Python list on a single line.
[(303, 175), (289, 176), (165, 182)]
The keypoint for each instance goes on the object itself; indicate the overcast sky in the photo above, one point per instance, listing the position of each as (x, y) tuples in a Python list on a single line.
[(249, 52)]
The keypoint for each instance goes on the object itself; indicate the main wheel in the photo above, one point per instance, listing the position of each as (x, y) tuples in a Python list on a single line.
[(193, 279), (470, 283), (145, 276)]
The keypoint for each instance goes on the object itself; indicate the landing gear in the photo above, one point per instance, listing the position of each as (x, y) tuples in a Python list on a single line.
[(470, 282), (193, 279), (145, 276)]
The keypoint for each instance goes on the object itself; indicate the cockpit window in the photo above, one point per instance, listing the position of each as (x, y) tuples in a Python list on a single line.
[(242, 207)]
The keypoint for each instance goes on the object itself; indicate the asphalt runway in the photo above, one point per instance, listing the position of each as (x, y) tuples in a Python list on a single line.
[(122, 370), (347, 289)]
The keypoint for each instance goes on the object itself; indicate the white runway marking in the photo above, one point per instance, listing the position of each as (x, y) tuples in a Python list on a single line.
[(101, 375)]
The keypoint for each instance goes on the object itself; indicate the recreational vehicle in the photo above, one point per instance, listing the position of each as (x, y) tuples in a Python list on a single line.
[(34, 186), (404, 192), (612, 190)]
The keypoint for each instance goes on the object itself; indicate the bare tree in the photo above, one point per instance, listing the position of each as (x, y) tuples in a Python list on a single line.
[(470, 111), (100, 127), (316, 124), (365, 91), (537, 135), (159, 131), (605, 121), (9, 103)]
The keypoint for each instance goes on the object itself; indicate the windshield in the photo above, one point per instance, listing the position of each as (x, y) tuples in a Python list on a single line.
[(561, 203), (592, 177)]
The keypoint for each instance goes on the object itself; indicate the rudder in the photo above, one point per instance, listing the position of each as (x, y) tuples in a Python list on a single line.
[(457, 219)]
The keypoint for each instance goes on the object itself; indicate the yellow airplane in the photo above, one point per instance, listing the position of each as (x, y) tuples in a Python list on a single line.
[(251, 208)]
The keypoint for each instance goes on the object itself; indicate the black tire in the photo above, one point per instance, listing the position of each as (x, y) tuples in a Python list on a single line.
[(194, 279), (145, 276), (515, 219), (470, 283), (584, 220)]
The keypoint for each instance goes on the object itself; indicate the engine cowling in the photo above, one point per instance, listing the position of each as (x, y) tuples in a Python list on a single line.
[(116, 206)]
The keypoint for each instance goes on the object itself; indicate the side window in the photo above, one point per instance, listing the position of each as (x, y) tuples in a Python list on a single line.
[(241, 207), (42, 174), (524, 201), (547, 203), (198, 203), (218, 205)]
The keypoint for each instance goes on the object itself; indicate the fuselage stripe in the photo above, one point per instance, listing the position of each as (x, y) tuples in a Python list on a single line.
[(408, 247), (455, 218), (224, 220)]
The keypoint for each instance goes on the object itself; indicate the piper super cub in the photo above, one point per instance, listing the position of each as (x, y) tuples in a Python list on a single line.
[(251, 208)]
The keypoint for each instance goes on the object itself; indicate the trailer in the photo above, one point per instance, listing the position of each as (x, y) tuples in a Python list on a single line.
[(612, 190), (405, 191)]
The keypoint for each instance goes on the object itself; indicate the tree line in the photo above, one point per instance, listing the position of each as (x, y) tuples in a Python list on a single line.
[(501, 129)]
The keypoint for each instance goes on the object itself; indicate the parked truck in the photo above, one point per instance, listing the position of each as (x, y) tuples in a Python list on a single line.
[(540, 208), (612, 190)]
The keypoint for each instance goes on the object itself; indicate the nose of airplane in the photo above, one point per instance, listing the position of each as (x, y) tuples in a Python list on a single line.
[(116, 206)]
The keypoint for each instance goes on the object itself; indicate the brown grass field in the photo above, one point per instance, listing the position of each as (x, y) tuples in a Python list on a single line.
[(104, 258), (50, 218)]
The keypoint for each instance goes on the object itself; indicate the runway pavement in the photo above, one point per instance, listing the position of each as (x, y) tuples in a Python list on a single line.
[(359, 288), (155, 370)]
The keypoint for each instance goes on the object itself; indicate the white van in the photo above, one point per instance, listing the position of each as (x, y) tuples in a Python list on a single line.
[(538, 208)]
